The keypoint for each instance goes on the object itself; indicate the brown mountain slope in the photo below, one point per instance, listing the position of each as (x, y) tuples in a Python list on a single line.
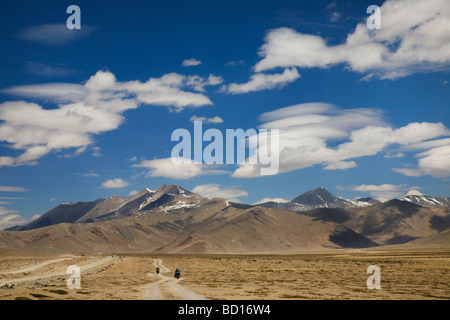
[(218, 226), (267, 230), (392, 222), (441, 239), (172, 219), (168, 196), (398, 221)]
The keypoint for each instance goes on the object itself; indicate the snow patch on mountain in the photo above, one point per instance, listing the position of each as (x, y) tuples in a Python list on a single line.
[(428, 201)]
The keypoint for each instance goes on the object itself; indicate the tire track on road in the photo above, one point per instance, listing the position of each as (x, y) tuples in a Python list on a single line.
[(168, 287)]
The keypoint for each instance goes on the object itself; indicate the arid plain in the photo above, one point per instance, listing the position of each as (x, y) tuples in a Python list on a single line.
[(406, 273)]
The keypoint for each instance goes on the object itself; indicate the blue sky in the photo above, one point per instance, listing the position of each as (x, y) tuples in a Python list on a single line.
[(89, 113)]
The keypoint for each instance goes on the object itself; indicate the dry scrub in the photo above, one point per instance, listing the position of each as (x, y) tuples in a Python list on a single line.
[(341, 275)]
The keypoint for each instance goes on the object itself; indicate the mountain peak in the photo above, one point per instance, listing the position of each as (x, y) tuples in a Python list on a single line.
[(427, 201), (320, 190), (318, 196), (171, 188)]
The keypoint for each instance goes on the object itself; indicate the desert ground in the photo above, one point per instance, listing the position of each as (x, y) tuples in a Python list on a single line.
[(337, 274)]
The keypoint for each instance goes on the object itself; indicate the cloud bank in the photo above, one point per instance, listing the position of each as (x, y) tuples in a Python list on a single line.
[(87, 110), (322, 134), (218, 191), (414, 37), (114, 184)]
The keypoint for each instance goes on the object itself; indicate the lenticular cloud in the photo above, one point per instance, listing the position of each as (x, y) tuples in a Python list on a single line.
[(414, 37), (322, 134)]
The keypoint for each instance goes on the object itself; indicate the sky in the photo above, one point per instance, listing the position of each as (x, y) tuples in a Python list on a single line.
[(88, 113)]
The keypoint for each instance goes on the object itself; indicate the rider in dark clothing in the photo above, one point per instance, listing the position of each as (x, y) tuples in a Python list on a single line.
[(177, 273)]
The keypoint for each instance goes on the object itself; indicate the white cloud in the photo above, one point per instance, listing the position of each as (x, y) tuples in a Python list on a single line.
[(434, 162), (319, 133), (12, 189), (4, 211), (9, 218), (332, 5), (177, 168), (215, 119), (103, 91), (35, 217), (340, 165), (168, 91), (383, 187), (382, 192), (96, 152), (48, 70), (89, 174), (262, 81), (44, 130), (234, 63), (414, 193), (13, 198), (190, 62), (395, 155), (133, 192), (335, 16), (199, 83), (55, 34), (423, 145), (386, 191), (7, 161), (114, 184), (58, 92), (414, 37), (86, 110), (219, 191), (432, 158), (279, 200)]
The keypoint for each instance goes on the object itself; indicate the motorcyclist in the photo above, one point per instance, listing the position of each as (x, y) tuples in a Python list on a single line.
[(157, 270), (177, 273)]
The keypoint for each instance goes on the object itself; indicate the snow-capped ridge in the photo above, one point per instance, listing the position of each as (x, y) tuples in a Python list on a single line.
[(428, 201), (315, 199)]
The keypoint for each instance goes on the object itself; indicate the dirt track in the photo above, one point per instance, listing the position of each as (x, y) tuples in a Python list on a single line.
[(342, 275), (102, 277), (55, 268), (167, 287)]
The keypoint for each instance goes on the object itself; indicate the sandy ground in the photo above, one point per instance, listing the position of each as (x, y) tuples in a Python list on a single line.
[(166, 286), (334, 275)]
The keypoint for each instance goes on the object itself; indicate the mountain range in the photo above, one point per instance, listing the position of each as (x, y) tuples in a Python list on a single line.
[(165, 198), (428, 201), (318, 198), (173, 219)]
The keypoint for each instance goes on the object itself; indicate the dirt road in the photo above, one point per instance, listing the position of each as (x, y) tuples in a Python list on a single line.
[(36, 266), (38, 271), (167, 287)]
